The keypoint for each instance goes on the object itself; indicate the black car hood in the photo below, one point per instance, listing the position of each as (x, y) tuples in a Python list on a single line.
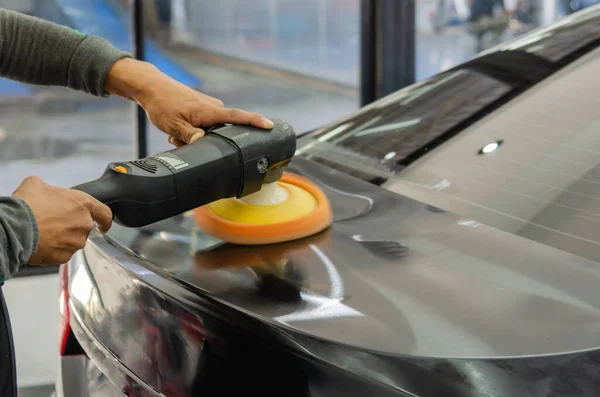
[(391, 275)]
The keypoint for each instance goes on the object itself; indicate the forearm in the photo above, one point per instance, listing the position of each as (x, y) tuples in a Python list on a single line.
[(40, 52), (132, 79), (18, 235)]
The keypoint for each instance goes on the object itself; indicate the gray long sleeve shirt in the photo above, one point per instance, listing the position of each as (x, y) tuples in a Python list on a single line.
[(39, 52)]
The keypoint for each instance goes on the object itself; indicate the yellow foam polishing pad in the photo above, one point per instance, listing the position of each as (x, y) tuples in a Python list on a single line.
[(303, 211), (299, 203)]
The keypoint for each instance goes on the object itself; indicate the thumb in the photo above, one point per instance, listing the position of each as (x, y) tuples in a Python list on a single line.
[(188, 133)]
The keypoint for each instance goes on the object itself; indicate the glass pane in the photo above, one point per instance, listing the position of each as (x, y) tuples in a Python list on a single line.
[(373, 143), (532, 169), (452, 31), (296, 60), (63, 136)]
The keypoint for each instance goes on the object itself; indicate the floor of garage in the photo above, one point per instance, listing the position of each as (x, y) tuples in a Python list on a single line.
[(37, 391)]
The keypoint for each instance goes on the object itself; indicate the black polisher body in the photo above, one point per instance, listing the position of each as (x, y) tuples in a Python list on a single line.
[(229, 161)]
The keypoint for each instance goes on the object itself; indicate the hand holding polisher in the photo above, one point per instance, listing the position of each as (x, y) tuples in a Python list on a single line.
[(230, 161)]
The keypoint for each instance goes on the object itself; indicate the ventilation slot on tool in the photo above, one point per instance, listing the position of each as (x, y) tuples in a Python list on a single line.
[(152, 168)]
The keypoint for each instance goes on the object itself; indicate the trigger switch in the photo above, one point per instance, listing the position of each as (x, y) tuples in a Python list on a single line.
[(121, 169)]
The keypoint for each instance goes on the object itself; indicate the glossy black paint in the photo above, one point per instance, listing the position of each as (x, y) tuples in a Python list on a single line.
[(411, 301), (397, 298)]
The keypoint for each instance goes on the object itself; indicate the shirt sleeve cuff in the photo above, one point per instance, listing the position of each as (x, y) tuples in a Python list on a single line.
[(90, 64), (19, 235)]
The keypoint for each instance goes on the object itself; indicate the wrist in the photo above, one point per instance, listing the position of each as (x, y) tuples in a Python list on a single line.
[(130, 78)]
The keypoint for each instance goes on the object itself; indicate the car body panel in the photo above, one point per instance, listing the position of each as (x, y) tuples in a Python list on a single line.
[(394, 268), (409, 285)]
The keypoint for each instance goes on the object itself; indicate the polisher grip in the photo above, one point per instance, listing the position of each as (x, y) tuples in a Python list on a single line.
[(101, 189)]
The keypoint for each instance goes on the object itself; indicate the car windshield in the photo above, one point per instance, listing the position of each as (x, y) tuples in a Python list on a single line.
[(530, 167), (373, 145)]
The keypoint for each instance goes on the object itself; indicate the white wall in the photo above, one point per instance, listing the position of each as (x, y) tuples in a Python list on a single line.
[(34, 313)]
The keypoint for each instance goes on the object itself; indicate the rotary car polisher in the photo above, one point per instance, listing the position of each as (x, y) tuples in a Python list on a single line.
[(234, 180)]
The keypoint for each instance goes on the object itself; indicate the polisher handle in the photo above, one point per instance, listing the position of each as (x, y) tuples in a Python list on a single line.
[(102, 189)]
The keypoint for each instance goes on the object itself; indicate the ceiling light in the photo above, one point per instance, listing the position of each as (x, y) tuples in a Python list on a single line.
[(490, 147)]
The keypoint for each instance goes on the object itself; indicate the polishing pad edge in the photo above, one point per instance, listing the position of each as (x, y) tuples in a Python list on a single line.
[(258, 234)]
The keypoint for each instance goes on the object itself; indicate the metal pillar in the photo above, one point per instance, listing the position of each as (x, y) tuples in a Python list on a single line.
[(368, 51), (140, 120), (387, 47)]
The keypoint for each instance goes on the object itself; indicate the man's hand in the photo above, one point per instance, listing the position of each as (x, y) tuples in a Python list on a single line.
[(172, 107), (64, 218)]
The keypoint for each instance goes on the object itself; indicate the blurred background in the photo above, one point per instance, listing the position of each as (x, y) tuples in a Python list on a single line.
[(294, 59), (299, 60)]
